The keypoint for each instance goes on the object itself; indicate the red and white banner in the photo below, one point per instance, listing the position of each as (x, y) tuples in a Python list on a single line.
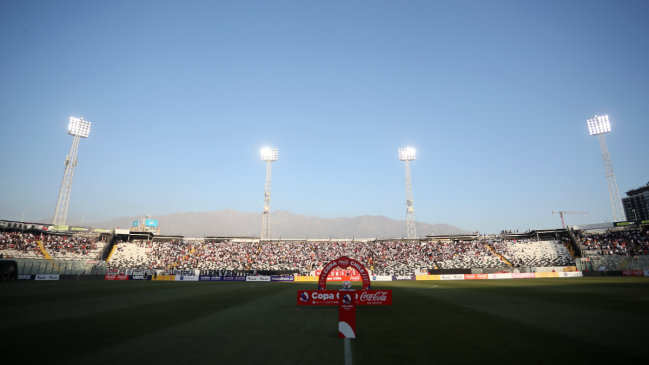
[(332, 297), (475, 276), (116, 277), (632, 273)]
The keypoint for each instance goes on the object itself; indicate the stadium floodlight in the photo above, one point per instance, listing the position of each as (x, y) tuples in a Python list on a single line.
[(599, 126), (407, 155), (269, 155), (78, 128)]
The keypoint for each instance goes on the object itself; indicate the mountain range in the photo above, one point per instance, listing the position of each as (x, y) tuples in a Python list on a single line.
[(285, 224)]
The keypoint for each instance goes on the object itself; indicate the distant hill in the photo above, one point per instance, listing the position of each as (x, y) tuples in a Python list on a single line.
[(288, 225)]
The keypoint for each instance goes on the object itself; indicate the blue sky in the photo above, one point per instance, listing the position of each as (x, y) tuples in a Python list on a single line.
[(183, 95)]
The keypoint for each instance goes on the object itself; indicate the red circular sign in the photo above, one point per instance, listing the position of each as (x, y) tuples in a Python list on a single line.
[(344, 262)]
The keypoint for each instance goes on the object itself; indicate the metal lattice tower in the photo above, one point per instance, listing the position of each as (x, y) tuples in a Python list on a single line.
[(616, 202), (269, 155), (78, 128), (407, 155), (600, 126)]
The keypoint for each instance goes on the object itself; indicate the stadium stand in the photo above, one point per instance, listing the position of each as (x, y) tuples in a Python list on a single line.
[(72, 248), (302, 256), (26, 245), (19, 244), (616, 243)]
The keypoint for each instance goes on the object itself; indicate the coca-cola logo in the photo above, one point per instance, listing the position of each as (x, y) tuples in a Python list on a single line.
[(379, 296), (343, 262)]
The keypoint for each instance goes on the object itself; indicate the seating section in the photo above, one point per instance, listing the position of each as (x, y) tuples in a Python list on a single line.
[(72, 248), (383, 257), (532, 253), (60, 247), (19, 245), (616, 243)]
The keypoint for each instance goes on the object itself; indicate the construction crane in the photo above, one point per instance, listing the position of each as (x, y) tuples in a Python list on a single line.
[(561, 213)]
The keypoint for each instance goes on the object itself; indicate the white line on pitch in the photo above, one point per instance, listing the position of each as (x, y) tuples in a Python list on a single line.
[(348, 352)]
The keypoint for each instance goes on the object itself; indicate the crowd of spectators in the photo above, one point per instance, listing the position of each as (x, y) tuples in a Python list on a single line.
[(617, 243), (14, 244), (62, 247), (24, 245), (301, 256)]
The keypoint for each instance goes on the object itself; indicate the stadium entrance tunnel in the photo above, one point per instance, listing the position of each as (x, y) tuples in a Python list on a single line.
[(8, 270), (344, 262)]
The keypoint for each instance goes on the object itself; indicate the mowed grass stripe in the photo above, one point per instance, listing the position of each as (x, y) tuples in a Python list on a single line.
[(625, 295), (62, 291), (424, 329), (574, 321), (232, 323), (266, 330), (122, 295), (68, 337)]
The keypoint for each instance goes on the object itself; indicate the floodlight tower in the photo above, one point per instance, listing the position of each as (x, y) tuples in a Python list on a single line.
[(599, 126), (78, 128), (269, 155), (407, 155)]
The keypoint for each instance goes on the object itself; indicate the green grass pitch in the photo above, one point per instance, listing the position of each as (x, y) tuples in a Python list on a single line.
[(522, 321)]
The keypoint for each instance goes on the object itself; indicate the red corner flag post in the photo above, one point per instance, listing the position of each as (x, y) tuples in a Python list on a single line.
[(347, 314)]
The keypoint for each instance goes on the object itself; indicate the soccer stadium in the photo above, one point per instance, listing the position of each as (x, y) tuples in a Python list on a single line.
[(166, 252)]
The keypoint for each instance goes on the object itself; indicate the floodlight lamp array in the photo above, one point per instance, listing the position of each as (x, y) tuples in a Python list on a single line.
[(269, 154), (599, 125), (406, 154), (79, 127)]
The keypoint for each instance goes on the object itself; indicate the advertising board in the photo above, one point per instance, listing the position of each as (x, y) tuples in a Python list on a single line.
[(428, 277), (47, 277), (523, 275), (209, 278), (115, 277), (26, 277), (332, 297), (305, 278), (452, 277), (257, 278), (181, 277), (233, 278), (151, 222), (632, 273), (478, 276), (380, 278), (570, 274), (164, 278), (288, 278), (546, 275), (139, 277), (403, 277), (500, 276)]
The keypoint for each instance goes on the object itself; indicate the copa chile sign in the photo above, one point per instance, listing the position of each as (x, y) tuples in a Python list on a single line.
[(344, 262), (346, 299), (332, 297)]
